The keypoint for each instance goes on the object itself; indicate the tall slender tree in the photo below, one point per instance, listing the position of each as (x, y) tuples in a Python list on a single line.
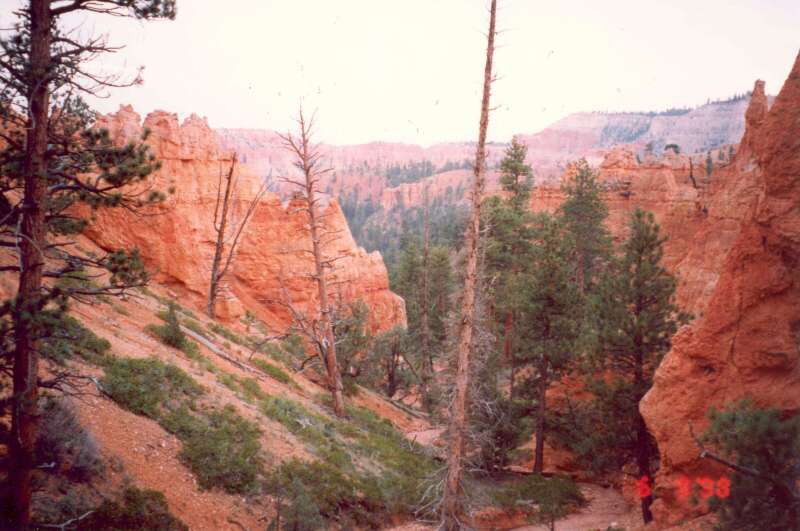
[(308, 159), (551, 324), (228, 230), (508, 246), (637, 318), (452, 502), (51, 160)]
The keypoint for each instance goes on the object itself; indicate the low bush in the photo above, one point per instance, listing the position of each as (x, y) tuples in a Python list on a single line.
[(222, 450), (149, 387), (138, 509), (762, 440), (334, 493), (63, 445), (544, 499), (219, 447), (297, 510), (70, 338), (251, 390)]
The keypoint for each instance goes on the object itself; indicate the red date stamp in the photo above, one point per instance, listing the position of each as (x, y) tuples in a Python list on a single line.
[(684, 486)]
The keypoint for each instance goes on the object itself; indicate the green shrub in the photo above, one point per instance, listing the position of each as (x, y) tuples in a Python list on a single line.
[(763, 441), (69, 338), (229, 381), (301, 513), (544, 499), (224, 452), (252, 391), (334, 493), (272, 370), (63, 443), (138, 509), (148, 386), (170, 333)]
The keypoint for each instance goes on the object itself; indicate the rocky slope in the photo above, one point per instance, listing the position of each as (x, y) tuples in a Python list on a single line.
[(747, 342), (272, 266)]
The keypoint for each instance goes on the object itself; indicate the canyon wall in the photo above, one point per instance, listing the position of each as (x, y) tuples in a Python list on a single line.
[(748, 342), (272, 265), (360, 169)]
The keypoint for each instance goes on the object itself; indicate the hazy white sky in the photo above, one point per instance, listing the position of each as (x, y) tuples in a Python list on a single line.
[(411, 70)]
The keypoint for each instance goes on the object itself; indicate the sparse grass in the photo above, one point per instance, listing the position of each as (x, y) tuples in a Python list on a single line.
[(120, 309), (231, 336), (273, 371), (252, 391), (138, 509), (196, 327), (229, 381)]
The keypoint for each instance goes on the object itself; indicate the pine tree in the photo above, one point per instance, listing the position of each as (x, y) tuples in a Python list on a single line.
[(53, 159), (441, 289), (636, 319), (762, 449), (584, 214), (550, 322), (508, 247)]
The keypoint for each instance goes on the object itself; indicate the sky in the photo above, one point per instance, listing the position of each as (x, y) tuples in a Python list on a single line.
[(411, 70)]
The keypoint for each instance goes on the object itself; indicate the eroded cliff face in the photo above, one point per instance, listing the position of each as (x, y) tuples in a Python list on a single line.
[(748, 342), (272, 267)]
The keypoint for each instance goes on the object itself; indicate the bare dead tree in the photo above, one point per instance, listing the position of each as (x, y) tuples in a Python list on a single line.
[(308, 159), (452, 502), (228, 230)]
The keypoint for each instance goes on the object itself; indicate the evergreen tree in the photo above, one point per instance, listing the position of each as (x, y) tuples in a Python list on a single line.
[(52, 159), (173, 335), (763, 451), (441, 288), (636, 318), (584, 214), (508, 248), (550, 324)]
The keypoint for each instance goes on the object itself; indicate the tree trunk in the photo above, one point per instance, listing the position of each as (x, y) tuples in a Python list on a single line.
[(643, 461), (541, 409), (642, 435), (32, 241), (508, 330), (427, 355), (220, 225), (452, 503), (331, 363)]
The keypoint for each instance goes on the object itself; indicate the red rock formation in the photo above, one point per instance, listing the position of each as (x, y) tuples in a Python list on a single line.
[(271, 265), (748, 342)]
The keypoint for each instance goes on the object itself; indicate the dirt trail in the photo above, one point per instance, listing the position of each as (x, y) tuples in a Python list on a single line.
[(606, 507)]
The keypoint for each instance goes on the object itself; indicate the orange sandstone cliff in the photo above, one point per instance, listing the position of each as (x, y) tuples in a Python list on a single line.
[(748, 342), (272, 266)]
